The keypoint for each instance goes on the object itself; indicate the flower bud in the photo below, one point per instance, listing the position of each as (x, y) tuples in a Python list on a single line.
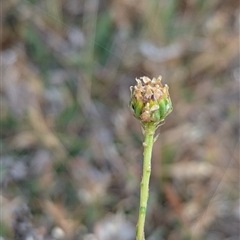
[(150, 100)]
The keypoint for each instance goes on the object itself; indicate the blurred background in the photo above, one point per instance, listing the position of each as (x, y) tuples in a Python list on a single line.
[(71, 151)]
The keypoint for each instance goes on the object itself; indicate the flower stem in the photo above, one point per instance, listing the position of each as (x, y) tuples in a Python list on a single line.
[(149, 131)]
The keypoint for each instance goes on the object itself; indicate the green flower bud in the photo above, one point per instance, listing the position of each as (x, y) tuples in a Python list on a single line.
[(150, 100)]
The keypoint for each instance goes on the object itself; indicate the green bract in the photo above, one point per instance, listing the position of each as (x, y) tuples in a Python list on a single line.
[(150, 100)]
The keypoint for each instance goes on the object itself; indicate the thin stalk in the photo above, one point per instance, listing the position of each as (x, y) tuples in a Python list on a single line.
[(144, 186)]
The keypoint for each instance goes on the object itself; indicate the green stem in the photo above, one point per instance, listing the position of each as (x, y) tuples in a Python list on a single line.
[(144, 186)]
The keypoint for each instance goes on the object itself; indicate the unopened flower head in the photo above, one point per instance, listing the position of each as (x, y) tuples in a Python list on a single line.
[(150, 100)]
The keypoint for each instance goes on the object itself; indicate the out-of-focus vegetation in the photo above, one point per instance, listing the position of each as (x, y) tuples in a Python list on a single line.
[(71, 154)]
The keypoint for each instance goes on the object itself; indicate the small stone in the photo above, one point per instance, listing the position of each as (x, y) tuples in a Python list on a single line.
[(58, 233)]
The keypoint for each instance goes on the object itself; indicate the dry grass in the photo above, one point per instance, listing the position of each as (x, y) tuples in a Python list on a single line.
[(71, 151)]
